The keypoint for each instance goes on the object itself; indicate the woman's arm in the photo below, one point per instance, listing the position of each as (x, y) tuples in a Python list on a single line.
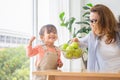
[(84, 41)]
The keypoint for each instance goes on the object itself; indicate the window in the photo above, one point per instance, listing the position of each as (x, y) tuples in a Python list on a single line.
[(16, 22), (2, 38), (8, 39)]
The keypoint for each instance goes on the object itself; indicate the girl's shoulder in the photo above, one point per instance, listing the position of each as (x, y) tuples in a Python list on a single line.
[(39, 46), (57, 48)]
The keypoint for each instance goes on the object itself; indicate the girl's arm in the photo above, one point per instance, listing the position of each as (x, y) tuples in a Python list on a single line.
[(60, 63), (29, 50)]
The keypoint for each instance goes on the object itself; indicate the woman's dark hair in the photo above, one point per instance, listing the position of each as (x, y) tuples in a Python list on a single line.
[(49, 28), (119, 22)]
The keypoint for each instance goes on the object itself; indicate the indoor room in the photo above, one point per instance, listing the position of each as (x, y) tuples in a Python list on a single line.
[(71, 21)]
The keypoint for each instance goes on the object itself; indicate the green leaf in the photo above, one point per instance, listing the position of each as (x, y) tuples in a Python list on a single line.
[(86, 13), (83, 22), (90, 4), (61, 16), (82, 30), (71, 21), (87, 17), (67, 23), (74, 34), (63, 25), (86, 8)]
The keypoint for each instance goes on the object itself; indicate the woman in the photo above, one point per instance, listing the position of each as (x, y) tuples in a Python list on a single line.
[(103, 41)]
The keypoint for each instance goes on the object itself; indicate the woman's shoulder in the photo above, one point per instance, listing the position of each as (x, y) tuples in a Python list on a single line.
[(92, 35)]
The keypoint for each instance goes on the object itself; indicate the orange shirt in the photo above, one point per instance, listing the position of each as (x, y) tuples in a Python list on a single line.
[(39, 51)]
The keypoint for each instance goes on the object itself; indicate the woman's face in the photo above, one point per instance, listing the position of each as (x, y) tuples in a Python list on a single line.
[(94, 19)]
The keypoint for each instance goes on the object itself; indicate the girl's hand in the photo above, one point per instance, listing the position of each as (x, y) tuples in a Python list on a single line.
[(31, 40), (60, 65)]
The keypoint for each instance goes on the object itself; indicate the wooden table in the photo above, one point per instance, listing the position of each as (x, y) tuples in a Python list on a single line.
[(59, 75)]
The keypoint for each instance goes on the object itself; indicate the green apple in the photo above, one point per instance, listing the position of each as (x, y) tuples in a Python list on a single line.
[(74, 45), (78, 53), (69, 55), (64, 46), (70, 49)]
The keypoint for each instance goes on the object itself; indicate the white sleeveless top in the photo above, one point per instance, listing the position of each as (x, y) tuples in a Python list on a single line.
[(110, 55)]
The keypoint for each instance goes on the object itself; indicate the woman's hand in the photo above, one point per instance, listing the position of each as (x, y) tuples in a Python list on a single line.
[(74, 40)]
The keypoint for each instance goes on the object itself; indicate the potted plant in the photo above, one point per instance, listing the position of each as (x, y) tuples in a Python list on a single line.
[(84, 25), (67, 23), (85, 22)]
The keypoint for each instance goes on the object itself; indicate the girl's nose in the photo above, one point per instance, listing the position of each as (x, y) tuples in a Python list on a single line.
[(52, 33)]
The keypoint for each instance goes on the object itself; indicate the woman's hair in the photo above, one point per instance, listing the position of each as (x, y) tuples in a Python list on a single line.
[(107, 22), (49, 28)]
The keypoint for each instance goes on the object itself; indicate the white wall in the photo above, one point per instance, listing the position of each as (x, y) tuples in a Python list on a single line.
[(76, 11), (114, 5), (16, 15)]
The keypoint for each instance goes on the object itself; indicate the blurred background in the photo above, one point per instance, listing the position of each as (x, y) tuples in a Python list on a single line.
[(20, 19)]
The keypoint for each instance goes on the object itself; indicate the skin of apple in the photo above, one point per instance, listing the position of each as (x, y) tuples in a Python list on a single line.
[(78, 53), (74, 45), (64, 46), (69, 55)]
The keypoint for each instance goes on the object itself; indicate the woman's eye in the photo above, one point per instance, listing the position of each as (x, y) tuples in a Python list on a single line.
[(93, 21)]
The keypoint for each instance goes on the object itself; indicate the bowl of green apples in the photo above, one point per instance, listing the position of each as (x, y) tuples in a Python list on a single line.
[(71, 50)]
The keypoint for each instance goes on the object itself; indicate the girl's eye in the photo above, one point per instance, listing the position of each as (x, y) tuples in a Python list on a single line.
[(54, 32)]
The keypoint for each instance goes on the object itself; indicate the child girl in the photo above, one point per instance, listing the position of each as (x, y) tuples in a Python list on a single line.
[(48, 55)]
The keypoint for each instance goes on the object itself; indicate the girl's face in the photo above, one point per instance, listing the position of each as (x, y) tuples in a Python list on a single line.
[(94, 19), (50, 37)]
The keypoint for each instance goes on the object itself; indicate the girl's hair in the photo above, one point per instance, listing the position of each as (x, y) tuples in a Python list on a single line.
[(107, 22), (49, 28)]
